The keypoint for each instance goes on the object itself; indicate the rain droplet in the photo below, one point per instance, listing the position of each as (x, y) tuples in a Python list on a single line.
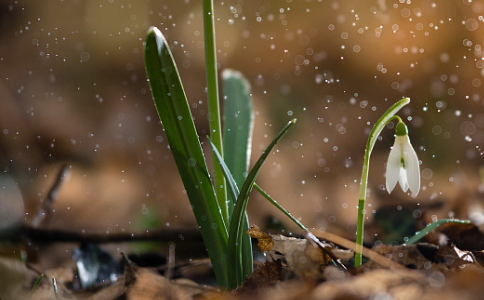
[(192, 162)]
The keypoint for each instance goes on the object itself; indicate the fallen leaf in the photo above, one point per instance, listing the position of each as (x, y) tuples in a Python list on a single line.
[(464, 236), (265, 275)]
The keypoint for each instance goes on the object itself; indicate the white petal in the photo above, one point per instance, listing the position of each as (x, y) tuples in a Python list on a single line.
[(393, 167), (412, 167), (402, 179)]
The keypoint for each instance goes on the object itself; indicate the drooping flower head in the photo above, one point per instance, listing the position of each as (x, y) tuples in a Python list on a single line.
[(402, 164)]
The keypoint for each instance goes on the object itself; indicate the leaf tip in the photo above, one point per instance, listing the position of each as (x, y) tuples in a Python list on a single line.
[(153, 30)]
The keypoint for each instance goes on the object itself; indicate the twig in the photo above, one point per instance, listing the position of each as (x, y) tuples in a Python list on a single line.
[(171, 261), (45, 212), (39, 235)]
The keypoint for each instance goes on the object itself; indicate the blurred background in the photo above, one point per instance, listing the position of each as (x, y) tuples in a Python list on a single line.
[(73, 90)]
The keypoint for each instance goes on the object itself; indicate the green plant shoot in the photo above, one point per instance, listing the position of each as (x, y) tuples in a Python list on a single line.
[(231, 256), (174, 112)]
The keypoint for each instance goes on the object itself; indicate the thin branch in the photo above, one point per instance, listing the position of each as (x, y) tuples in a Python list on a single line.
[(45, 211), (39, 235)]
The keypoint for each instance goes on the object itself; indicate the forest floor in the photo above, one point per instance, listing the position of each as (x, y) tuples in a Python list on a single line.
[(447, 266)]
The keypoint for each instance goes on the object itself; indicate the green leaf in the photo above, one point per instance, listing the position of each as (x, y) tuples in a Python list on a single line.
[(236, 231), (430, 227), (174, 112), (246, 261), (237, 143), (238, 124), (229, 178), (278, 206)]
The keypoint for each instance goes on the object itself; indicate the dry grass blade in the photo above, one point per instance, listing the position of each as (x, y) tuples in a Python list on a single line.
[(370, 254)]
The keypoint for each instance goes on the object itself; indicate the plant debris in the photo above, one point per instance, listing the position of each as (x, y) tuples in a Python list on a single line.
[(295, 268), (318, 265)]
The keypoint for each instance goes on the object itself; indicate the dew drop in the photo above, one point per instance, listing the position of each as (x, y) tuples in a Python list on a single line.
[(192, 162)]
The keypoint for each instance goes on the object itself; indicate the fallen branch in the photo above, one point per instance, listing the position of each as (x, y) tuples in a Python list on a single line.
[(39, 235)]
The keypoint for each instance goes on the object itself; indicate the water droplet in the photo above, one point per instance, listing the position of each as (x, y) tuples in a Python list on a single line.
[(192, 162)]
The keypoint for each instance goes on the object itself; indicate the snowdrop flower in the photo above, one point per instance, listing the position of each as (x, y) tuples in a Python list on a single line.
[(402, 165)]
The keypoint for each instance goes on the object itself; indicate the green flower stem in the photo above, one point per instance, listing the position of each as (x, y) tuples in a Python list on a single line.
[(213, 104), (372, 138)]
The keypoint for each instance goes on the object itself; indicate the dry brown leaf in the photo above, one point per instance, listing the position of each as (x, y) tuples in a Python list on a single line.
[(464, 236), (406, 255), (148, 285), (265, 242), (13, 276), (113, 291), (17, 282), (300, 255), (394, 284), (283, 290), (263, 276)]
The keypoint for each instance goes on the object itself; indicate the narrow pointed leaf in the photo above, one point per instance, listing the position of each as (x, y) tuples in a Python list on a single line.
[(246, 250), (278, 206), (174, 112), (236, 231), (430, 227), (229, 178), (238, 124), (237, 143)]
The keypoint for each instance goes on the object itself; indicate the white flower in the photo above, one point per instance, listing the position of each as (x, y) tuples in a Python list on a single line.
[(402, 165)]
